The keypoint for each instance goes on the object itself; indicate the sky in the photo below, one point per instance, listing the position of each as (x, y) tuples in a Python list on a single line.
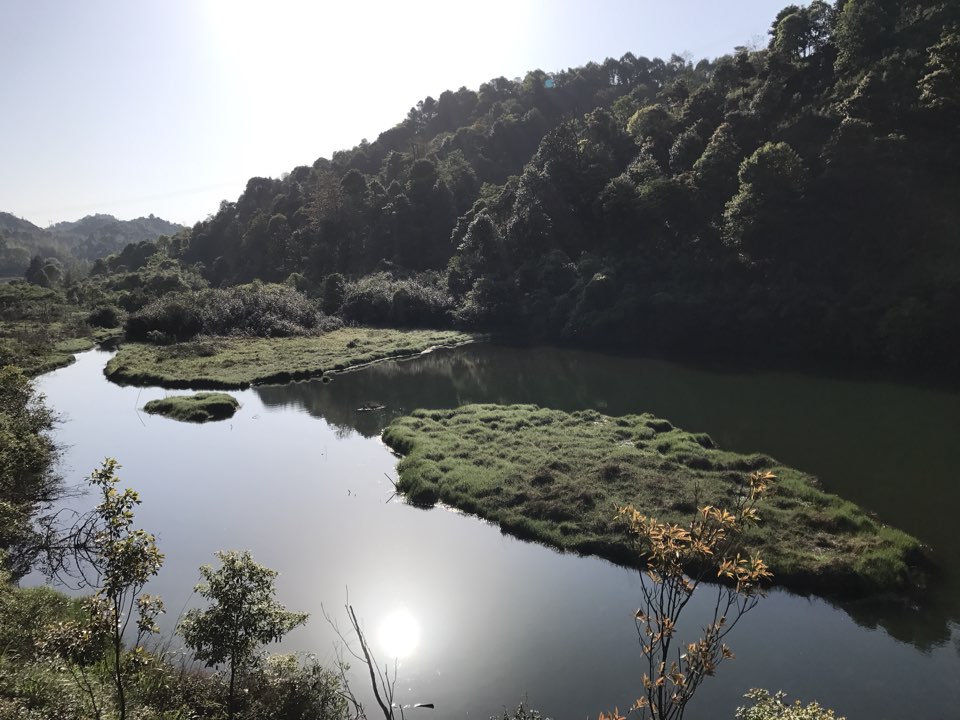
[(170, 106)]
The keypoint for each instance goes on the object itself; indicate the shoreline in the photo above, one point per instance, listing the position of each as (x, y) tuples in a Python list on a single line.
[(556, 478), (229, 363)]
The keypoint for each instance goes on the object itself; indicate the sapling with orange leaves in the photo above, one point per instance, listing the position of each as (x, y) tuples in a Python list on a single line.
[(679, 558)]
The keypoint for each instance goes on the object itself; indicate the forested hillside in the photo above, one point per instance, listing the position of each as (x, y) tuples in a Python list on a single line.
[(87, 239), (797, 201)]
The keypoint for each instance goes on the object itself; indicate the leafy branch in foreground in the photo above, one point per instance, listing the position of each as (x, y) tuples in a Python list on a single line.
[(118, 560), (679, 560)]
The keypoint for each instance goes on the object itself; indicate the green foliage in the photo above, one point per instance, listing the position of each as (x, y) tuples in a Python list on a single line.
[(65, 657), (653, 121), (555, 477), (25, 614), (252, 310), (105, 316), (39, 328), (940, 87), (137, 276), (243, 616), (45, 272), (287, 689), (864, 28), (772, 707), (124, 558), (198, 408), (233, 362), (28, 481), (382, 299), (332, 293), (762, 219)]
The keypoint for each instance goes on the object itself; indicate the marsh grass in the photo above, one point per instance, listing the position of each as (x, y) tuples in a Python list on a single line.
[(557, 477), (238, 362), (197, 408), (40, 331)]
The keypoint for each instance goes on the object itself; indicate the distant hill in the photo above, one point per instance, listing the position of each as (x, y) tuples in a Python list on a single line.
[(88, 238), (96, 236), (19, 240)]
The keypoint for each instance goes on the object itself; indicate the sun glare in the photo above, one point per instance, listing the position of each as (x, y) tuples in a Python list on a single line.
[(399, 633)]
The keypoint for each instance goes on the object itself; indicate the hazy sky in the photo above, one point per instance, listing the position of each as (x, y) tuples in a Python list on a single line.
[(169, 106)]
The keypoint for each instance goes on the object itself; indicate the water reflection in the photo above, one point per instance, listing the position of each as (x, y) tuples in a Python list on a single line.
[(503, 619), (884, 446)]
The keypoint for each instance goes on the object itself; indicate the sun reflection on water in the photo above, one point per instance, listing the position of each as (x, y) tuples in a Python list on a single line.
[(399, 633)]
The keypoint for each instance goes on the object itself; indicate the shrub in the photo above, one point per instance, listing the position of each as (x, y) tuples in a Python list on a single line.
[(380, 298), (105, 316), (287, 689), (332, 293), (767, 707), (256, 310)]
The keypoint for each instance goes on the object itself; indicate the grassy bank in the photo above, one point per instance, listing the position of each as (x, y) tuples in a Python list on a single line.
[(198, 408), (556, 477), (40, 331), (236, 362)]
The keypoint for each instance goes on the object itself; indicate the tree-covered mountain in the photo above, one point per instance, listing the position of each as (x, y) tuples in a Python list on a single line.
[(19, 239), (798, 200), (87, 239), (96, 236)]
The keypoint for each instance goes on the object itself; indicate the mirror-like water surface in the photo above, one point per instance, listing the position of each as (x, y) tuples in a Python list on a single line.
[(298, 477)]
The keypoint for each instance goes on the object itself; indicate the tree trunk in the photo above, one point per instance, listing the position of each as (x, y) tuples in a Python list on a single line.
[(230, 705)]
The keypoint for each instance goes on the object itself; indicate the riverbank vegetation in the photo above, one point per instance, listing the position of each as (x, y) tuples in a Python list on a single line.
[(29, 482), (72, 658), (197, 408), (557, 477), (772, 707), (40, 330), (238, 362)]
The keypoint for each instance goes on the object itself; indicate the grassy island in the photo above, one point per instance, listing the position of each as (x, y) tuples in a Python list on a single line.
[(197, 408), (556, 477), (238, 362)]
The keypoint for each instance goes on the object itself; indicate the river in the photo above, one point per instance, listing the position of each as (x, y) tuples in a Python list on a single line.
[(300, 478)]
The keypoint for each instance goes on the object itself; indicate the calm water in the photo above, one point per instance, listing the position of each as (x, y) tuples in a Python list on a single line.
[(298, 478)]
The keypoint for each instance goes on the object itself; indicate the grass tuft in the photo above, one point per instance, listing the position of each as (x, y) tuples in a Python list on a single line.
[(198, 408)]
